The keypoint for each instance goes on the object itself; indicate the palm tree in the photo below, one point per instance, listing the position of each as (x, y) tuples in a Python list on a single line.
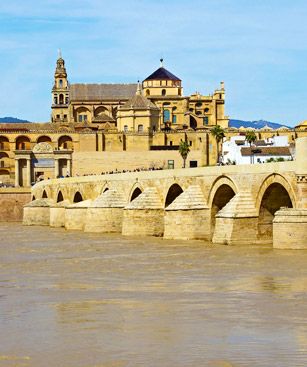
[(184, 150), (250, 137), (219, 133)]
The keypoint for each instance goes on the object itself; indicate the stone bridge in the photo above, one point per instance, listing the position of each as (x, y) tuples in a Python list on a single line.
[(247, 204)]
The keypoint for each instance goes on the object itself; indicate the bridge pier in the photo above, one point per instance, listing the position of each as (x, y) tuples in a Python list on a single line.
[(237, 222), (37, 212), (188, 216), (144, 216), (290, 224), (75, 215), (105, 215), (57, 214)]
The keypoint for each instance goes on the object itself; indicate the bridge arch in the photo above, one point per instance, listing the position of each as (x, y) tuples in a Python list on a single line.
[(135, 192), (278, 179), (77, 197), (59, 197), (219, 182), (222, 191), (173, 192), (275, 192)]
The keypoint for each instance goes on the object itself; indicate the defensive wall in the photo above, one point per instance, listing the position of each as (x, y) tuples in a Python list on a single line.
[(248, 204), (12, 201)]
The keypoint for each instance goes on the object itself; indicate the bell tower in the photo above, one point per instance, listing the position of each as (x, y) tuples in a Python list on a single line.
[(60, 93)]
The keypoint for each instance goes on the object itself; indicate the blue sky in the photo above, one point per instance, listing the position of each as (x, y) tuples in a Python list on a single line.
[(259, 48)]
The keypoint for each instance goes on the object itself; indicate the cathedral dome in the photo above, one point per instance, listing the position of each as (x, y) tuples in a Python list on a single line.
[(162, 74)]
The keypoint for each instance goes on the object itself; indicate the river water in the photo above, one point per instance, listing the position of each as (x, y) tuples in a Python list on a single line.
[(88, 300)]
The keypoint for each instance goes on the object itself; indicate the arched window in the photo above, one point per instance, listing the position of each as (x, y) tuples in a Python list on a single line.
[(65, 142), (140, 128), (60, 83), (206, 110), (166, 116), (198, 104), (23, 143), (66, 100), (55, 99), (163, 92), (61, 99), (126, 128), (147, 92), (44, 139)]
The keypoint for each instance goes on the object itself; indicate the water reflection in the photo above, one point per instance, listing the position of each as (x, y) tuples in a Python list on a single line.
[(80, 300)]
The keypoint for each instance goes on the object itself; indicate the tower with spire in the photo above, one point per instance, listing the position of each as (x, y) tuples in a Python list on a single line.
[(60, 93)]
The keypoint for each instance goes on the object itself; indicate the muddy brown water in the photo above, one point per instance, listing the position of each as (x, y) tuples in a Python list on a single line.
[(87, 300)]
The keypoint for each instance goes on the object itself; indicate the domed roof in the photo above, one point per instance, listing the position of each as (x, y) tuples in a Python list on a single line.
[(162, 74)]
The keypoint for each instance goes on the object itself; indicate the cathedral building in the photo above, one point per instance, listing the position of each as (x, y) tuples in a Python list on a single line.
[(97, 128), (104, 106)]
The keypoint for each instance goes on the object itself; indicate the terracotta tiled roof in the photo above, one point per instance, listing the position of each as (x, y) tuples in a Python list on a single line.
[(89, 92), (139, 102), (103, 117), (162, 74), (247, 151)]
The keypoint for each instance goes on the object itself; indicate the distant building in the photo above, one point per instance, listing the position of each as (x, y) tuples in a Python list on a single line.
[(237, 150)]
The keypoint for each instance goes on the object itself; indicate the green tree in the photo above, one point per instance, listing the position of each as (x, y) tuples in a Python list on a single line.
[(184, 150), (250, 137), (219, 133)]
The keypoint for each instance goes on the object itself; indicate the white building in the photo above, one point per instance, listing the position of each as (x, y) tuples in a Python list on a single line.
[(237, 150)]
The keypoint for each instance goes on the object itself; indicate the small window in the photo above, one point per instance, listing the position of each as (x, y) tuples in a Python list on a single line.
[(198, 113), (66, 100), (206, 110), (170, 143), (85, 117), (170, 164), (174, 119), (60, 83), (80, 118), (193, 164), (65, 116), (147, 92), (198, 104), (191, 109), (205, 120), (140, 128), (163, 92), (126, 128), (190, 143), (57, 116), (55, 100)]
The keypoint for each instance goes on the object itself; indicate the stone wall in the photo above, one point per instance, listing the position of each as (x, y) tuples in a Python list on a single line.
[(98, 162), (12, 201)]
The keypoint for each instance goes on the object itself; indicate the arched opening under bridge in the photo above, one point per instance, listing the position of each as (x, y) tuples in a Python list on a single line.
[(173, 192), (59, 197), (137, 191), (77, 197), (222, 197), (274, 197)]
